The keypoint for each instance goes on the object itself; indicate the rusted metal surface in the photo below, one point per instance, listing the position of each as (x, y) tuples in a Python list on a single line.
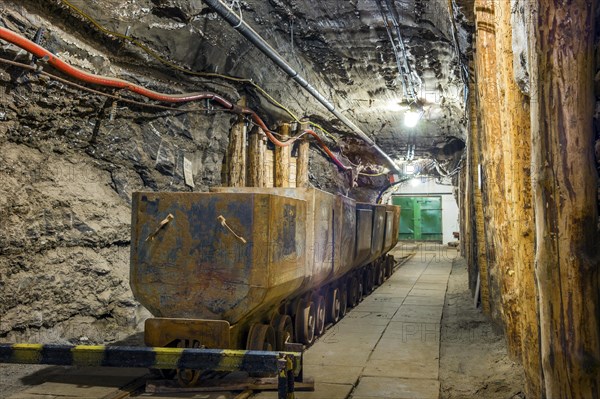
[(364, 234), (377, 230), (323, 206), (389, 230), (395, 209), (166, 331), (344, 235), (210, 265), (330, 234), (195, 267)]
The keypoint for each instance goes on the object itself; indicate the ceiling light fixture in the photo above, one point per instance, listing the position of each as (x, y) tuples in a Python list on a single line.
[(414, 114), (412, 118)]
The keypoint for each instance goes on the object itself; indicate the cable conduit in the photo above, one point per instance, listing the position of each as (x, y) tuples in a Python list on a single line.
[(251, 35), (79, 74)]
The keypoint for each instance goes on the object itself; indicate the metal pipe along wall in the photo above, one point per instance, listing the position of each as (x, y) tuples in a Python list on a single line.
[(245, 30)]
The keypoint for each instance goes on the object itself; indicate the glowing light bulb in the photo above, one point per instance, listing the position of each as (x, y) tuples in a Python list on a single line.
[(411, 118)]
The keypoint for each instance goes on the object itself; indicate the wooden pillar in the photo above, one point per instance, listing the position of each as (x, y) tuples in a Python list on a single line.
[(565, 196), (256, 158), (236, 153), (282, 159), (478, 236), (302, 160), (463, 210), (496, 230), (520, 291)]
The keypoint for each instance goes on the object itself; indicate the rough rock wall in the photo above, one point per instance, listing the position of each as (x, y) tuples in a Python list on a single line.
[(69, 161), (66, 176)]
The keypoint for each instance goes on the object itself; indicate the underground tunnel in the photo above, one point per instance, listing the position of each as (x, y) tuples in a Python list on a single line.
[(353, 199)]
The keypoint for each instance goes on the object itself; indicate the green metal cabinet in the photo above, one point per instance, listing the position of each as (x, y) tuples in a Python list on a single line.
[(421, 218)]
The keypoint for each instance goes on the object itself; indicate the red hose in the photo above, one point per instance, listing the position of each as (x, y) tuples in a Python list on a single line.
[(77, 73), (291, 140)]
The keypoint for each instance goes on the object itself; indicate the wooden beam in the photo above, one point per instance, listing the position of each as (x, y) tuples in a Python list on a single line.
[(565, 197), (302, 160), (499, 259), (282, 159), (236, 153), (478, 243), (521, 293), (256, 158)]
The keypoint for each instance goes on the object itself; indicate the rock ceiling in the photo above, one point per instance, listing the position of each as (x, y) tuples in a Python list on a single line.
[(343, 48)]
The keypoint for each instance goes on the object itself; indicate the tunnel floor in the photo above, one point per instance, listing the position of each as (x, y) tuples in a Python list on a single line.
[(416, 336), (389, 345)]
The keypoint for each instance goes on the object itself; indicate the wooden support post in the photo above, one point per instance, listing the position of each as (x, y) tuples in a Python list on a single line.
[(282, 159), (256, 158), (463, 211), (302, 160), (236, 153), (479, 243), (565, 197), (521, 293), (499, 256)]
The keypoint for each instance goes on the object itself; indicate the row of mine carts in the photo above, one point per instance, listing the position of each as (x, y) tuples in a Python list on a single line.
[(254, 268)]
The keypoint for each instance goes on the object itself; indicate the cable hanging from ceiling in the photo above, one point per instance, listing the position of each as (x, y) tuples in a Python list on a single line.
[(410, 80), (176, 67), (126, 37), (46, 56)]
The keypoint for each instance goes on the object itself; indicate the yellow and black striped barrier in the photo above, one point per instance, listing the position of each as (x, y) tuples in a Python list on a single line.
[(284, 364), (157, 358)]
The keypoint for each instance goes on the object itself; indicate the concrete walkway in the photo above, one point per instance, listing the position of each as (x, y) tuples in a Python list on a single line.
[(388, 346)]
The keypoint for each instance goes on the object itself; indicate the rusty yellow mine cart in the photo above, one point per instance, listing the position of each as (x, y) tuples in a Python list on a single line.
[(205, 263)]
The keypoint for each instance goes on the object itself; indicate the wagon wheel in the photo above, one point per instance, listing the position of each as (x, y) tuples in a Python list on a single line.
[(321, 311), (386, 268), (305, 322), (343, 300), (333, 305), (357, 292), (261, 338), (353, 292), (368, 287), (188, 377), (284, 330), (360, 290), (389, 264), (379, 274)]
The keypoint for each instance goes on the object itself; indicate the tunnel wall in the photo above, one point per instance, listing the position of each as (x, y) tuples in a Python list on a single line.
[(529, 194), (69, 161)]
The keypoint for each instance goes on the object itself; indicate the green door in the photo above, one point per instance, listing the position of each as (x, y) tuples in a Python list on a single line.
[(420, 218)]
